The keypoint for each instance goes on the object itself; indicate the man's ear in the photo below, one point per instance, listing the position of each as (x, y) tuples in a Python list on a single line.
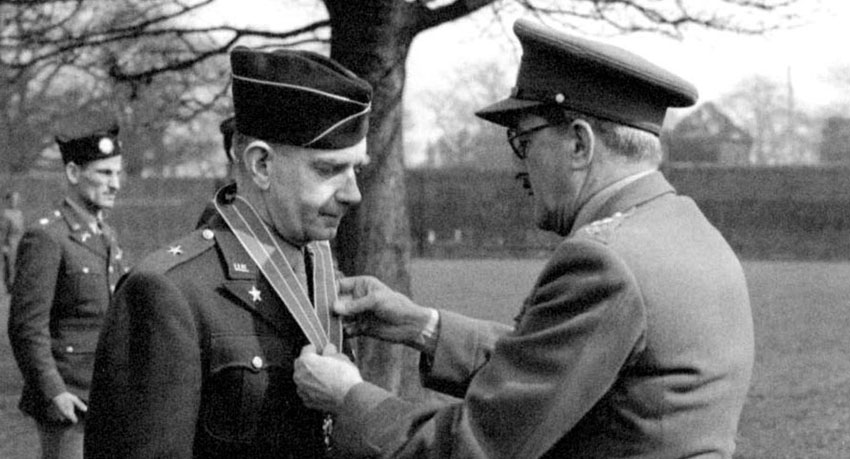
[(72, 172), (257, 158), (583, 146)]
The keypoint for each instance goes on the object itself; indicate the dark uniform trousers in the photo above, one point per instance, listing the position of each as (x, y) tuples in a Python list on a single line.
[(196, 360), (64, 279)]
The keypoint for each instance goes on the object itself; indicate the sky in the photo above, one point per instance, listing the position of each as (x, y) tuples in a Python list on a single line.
[(715, 62)]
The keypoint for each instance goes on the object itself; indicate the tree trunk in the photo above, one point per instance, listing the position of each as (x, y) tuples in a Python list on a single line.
[(372, 38)]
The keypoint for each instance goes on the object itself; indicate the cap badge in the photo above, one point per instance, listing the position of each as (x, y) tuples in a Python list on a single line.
[(106, 146)]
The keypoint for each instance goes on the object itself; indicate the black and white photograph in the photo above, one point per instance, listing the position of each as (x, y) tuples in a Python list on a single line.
[(600, 229)]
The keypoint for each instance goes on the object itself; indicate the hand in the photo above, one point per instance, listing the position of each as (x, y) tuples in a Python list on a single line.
[(375, 310), (324, 380), (63, 407)]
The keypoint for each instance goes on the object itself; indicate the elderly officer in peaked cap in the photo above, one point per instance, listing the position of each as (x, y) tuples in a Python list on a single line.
[(196, 358), (635, 341), (68, 265)]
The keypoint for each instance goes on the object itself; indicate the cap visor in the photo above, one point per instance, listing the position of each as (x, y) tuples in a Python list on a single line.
[(505, 112)]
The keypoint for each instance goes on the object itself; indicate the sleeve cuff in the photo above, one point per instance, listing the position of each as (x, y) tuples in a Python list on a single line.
[(351, 434), (51, 384)]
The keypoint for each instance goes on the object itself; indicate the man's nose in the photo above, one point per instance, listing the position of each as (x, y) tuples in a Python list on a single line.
[(350, 191), (114, 182)]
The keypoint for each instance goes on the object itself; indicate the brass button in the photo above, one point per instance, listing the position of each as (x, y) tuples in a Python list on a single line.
[(207, 234), (69, 349), (111, 270), (257, 362), (85, 270)]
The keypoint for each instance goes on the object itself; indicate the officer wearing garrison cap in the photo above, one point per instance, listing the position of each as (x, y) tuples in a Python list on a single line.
[(635, 341), (67, 267), (196, 357)]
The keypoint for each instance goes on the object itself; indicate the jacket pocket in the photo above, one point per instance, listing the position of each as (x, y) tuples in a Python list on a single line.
[(88, 289), (249, 386)]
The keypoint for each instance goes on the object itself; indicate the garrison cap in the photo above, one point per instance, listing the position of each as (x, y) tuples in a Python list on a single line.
[(90, 146), (227, 128), (561, 70), (299, 98)]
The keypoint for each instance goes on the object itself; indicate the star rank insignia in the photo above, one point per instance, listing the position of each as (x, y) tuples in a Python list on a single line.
[(176, 250), (255, 294)]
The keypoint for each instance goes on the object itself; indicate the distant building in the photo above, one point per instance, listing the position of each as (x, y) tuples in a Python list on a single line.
[(835, 143), (708, 136)]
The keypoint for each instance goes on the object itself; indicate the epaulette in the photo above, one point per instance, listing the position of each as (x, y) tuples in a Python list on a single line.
[(52, 217), (178, 252), (602, 230)]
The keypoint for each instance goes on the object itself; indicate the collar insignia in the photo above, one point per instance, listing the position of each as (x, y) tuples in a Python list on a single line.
[(255, 294)]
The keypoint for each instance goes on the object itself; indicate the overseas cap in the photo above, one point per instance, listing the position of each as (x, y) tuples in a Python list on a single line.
[(92, 146), (601, 80), (299, 98)]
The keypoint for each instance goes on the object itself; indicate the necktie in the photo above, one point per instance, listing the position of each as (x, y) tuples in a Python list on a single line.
[(308, 272)]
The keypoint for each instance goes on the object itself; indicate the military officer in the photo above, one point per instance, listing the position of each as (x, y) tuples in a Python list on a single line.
[(67, 267), (195, 359), (636, 340), (11, 230)]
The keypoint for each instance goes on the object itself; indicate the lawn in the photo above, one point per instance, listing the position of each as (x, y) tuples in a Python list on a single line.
[(799, 404)]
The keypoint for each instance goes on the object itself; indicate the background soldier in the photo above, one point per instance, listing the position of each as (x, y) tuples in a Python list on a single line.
[(636, 340), (196, 357), (11, 230), (67, 267)]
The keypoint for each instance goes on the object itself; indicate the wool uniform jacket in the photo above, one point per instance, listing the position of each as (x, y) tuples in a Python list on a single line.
[(196, 360), (636, 341), (65, 274)]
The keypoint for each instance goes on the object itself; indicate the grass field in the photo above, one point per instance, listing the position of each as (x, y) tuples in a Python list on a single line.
[(799, 404)]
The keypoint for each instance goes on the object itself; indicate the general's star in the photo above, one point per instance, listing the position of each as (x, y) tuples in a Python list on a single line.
[(177, 250), (255, 294)]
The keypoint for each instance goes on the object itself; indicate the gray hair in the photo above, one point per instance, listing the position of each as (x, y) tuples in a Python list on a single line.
[(631, 143)]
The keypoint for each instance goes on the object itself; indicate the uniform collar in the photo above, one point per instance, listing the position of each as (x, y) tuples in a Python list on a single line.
[(239, 263), (622, 195), (79, 218)]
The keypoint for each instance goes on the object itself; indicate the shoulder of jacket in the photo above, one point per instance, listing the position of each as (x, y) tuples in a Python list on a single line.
[(49, 220), (603, 230), (178, 252)]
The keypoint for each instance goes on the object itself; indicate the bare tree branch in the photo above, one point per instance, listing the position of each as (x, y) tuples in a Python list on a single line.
[(428, 18)]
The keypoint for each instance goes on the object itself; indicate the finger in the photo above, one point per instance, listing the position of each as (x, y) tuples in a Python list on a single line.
[(341, 306), (307, 350), (360, 305), (347, 285), (330, 349), (71, 416), (80, 405)]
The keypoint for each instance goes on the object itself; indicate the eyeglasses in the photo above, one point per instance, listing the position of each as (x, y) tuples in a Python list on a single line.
[(518, 141)]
